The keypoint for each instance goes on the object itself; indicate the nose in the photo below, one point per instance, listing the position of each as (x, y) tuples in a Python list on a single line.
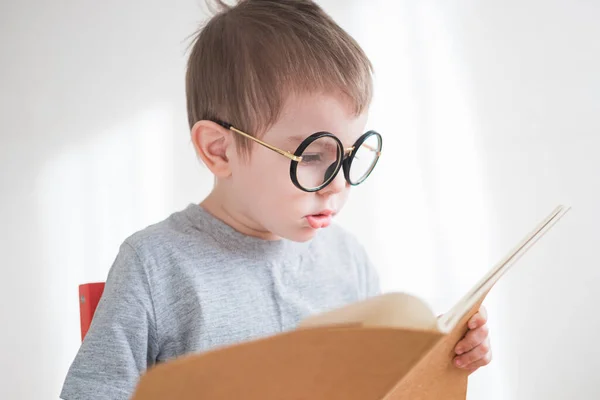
[(336, 185)]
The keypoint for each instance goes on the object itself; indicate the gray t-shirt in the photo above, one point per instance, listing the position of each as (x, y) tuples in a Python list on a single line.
[(191, 283)]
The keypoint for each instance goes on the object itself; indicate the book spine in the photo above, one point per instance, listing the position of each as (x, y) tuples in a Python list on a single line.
[(89, 296)]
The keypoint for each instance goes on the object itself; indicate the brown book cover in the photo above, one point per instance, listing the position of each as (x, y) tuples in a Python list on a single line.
[(384, 348)]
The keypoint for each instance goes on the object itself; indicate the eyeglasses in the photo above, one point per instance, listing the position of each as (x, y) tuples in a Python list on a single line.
[(318, 159)]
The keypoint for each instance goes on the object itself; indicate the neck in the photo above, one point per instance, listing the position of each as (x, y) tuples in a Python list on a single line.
[(217, 204)]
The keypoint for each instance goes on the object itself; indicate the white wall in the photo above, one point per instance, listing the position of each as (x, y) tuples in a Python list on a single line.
[(94, 146), (489, 112)]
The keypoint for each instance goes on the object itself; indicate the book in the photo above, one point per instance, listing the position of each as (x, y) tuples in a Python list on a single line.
[(89, 297), (386, 347), (403, 310)]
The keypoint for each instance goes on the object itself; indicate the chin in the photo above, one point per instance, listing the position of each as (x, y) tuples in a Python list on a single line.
[(303, 234)]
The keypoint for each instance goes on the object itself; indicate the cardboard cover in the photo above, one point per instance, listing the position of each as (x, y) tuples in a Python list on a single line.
[(390, 347)]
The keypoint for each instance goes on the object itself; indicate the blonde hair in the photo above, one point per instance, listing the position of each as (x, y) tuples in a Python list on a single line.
[(249, 57)]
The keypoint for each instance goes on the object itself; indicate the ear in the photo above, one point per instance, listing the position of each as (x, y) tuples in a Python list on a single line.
[(213, 144)]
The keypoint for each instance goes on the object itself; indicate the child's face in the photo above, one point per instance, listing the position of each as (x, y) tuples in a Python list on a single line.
[(262, 185)]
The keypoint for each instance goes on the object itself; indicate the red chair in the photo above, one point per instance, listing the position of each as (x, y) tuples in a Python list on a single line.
[(89, 296)]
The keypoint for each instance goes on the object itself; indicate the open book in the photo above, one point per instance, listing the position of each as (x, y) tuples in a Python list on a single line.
[(388, 347), (403, 310)]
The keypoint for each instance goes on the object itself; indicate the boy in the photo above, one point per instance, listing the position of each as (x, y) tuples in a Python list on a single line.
[(277, 96)]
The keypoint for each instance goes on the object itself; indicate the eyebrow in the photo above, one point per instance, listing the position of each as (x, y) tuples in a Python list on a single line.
[(296, 139)]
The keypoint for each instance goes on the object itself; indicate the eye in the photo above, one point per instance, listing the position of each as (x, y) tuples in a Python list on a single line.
[(322, 151), (312, 158)]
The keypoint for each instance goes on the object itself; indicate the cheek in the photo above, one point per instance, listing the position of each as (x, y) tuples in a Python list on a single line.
[(343, 196), (275, 194), (265, 177), (270, 168)]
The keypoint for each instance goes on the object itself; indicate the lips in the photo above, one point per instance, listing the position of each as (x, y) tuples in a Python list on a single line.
[(320, 220)]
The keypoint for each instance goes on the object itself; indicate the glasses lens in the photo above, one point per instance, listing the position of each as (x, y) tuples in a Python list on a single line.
[(320, 160), (365, 159)]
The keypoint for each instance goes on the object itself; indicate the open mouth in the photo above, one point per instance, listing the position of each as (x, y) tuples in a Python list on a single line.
[(321, 220)]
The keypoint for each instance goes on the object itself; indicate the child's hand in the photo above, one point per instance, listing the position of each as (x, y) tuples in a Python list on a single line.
[(474, 350)]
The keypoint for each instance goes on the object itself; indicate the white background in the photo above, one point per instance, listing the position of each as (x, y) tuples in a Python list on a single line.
[(490, 116)]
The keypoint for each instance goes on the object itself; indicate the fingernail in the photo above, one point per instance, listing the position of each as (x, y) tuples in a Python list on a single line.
[(459, 363), (459, 350), (473, 325)]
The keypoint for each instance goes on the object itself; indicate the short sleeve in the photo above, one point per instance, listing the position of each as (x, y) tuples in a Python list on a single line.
[(372, 284), (121, 342), (367, 273)]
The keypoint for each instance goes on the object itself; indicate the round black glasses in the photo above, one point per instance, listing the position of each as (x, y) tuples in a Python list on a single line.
[(319, 158)]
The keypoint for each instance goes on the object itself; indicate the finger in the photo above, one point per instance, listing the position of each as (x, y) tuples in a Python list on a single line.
[(472, 339), (483, 312), (479, 353), (479, 319), (474, 366)]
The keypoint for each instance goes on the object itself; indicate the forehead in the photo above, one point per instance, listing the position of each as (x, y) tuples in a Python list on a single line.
[(303, 115)]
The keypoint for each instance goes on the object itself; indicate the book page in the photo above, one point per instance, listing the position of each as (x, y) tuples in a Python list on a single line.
[(395, 310), (448, 321)]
